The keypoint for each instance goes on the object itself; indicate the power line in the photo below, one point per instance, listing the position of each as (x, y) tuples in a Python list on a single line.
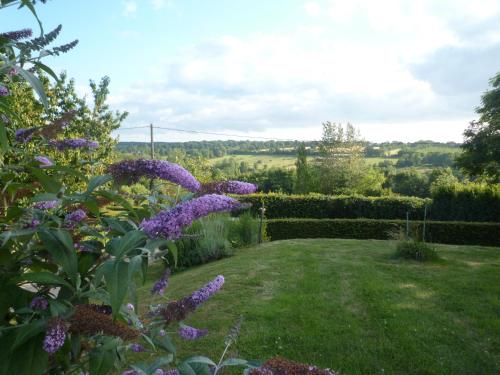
[(220, 134), (205, 132)]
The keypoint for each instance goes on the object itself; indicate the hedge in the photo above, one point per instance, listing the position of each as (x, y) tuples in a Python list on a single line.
[(467, 204), (320, 206), (461, 233)]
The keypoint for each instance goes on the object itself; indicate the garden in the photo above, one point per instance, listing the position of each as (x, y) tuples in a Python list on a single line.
[(112, 264)]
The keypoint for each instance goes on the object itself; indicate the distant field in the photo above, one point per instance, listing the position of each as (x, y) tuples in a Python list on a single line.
[(276, 161)]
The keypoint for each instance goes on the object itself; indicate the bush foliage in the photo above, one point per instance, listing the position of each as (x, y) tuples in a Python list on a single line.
[(456, 202), (460, 233), (416, 250)]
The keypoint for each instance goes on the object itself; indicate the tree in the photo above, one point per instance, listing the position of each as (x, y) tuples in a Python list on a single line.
[(342, 166), (303, 172), (481, 147)]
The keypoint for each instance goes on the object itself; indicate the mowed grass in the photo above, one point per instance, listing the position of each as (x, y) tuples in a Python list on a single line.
[(348, 305)]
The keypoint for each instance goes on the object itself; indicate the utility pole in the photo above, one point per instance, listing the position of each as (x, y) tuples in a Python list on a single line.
[(151, 182), (152, 141)]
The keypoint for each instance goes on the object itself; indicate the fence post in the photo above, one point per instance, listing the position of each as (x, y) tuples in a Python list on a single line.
[(425, 218), (262, 212), (407, 225)]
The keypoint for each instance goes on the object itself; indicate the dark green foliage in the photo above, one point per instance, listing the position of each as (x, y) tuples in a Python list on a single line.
[(416, 250), (244, 231), (303, 172), (326, 206), (457, 202), (465, 202), (409, 183), (481, 147), (462, 233)]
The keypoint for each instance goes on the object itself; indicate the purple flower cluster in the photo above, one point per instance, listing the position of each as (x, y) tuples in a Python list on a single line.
[(17, 35), (55, 336), (207, 291), (44, 161), (137, 348), (32, 224), (46, 205), (4, 91), (130, 171), (76, 217), (161, 284), (172, 372), (169, 223), (24, 135), (74, 144), (232, 187), (191, 333), (39, 303)]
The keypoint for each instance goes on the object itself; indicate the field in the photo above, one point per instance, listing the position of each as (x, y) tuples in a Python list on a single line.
[(275, 161), (348, 305)]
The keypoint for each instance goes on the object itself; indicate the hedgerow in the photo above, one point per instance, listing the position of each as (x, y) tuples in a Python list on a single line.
[(462, 233)]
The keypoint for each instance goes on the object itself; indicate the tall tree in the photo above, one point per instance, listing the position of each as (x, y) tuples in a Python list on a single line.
[(342, 166), (303, 172), (481, 147)]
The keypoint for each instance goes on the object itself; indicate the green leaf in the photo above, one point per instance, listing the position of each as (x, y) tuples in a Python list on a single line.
[(116, 276), (59, 244), (46, 69), (130, 241), (165, 343), (44, 197), (26, 332), (29, 358), (44, 278), (97, 181), (4, 143), (200, 359), (186, 369), (162, 361), (234, 362), (49, 183), (35, 84), (102, 361)]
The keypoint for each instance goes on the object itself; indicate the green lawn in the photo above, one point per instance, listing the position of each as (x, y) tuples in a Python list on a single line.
[(346, 304)]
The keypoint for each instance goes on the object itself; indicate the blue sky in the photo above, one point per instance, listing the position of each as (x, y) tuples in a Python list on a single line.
[(397, 69)]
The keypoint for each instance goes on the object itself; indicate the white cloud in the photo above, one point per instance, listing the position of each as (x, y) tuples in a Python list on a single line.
[(312, 8), (160, 4), (358, 68), (129, 8)]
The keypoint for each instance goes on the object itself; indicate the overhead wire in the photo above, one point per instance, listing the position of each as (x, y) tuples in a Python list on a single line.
[(205, 132)]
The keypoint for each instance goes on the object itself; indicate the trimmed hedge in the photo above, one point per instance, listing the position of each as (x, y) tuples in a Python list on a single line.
[(460, 233), (321, 206), (468, 203)]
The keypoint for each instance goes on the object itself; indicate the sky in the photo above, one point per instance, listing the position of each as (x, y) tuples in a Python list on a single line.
[(397, 69)]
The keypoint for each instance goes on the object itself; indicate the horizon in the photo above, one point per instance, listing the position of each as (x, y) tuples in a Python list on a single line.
[(397, 70)]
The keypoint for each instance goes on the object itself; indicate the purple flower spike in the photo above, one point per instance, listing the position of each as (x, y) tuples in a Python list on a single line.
[(204, 293), (191, 333), (172, 372), (169, 223), (55, 336), (76, 217), (231, 187), (24, 135), (137, 348), (17, 35), (46, 205), (39, 303), (74, 143), (130, 171), (161, 284), (4, 91), (44, 161)]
